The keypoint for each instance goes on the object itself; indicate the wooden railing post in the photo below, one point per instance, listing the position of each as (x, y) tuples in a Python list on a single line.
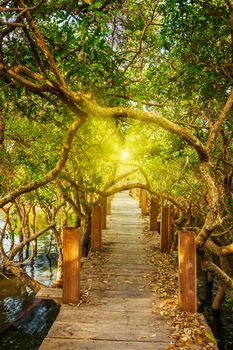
[(109, 203), (165, 230), (154, 208), (71, 264), (144, 202), (96, 227), (104, 212), (187, 272)]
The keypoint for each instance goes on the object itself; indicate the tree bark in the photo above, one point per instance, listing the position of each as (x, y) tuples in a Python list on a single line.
[(22, 275)]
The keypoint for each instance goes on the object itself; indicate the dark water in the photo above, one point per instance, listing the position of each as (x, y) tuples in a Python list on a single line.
[(29, 331), (220, 321)]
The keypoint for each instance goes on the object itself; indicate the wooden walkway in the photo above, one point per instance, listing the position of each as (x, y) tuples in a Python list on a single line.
[(119, 310)]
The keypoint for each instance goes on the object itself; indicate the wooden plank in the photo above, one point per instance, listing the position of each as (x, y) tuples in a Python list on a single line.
[(109, 316), (123, 307), (128, 266), (121, 257), (116, 279), (187, 271), (129, 245), (71, 344), (71, 264), (165, 230), (115, 283), (154, 208), (116, 272), (124, 259), (106, 331), (50, 293), (135, 295), (96, 228), (122, 246), (125, 252)]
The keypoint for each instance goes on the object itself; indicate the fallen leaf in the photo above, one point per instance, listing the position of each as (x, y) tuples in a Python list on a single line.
[(209, 336)]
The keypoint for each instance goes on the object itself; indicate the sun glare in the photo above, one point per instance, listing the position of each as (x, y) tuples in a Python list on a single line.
[(124, 155)]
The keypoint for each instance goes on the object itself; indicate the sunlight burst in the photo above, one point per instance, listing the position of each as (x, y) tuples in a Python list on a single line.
[(124, 155)]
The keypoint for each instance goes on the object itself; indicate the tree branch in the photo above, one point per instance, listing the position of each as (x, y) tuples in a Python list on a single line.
[(19, 246), (210, 266), (142, 186), (11, 24), (33, 185), (212, 219), (149, 117), (214, 129), (219, 250), (130, 98), (43, 46)]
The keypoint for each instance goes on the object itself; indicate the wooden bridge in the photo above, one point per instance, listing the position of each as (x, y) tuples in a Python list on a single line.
[(118, 310)]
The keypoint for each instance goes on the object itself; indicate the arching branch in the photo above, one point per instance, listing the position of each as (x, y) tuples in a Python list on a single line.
[(19, 246), (218, 123), (142, 186), (149, 117), (33, 185)]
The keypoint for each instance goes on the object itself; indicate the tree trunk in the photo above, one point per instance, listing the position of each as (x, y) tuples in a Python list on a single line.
[(22, 275), (2, 128), (86, 240), (34, 243), (58, 281)]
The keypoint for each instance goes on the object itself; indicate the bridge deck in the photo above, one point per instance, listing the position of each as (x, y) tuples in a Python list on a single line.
[(119, 309)]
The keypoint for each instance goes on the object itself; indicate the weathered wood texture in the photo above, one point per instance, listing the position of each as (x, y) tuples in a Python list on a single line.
[(71, 264), (165, 230), (104, 212), (122, 311), (187, 272), (50, 293), (96, 228), (154, 209)]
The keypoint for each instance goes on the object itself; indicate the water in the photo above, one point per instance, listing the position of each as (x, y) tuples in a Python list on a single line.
[(220, 321), (29, 331)]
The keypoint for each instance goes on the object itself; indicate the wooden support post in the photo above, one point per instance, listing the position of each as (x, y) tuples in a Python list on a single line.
[(154, 207), (104, 212), (71, 264), (165, 230), (96, 227), (109, 203), (187, 272), (144, 202)]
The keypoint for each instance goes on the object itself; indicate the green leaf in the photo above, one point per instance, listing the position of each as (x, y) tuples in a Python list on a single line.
[(137, 32), (210, 336)]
